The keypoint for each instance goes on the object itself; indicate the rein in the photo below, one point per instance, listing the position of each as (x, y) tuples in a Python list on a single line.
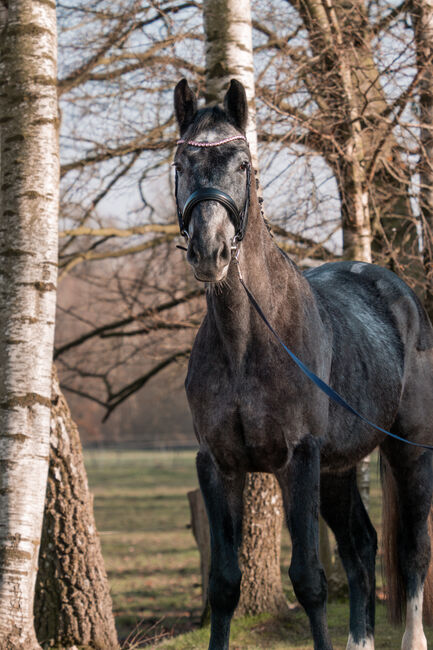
[(324, 387), (240, 222)]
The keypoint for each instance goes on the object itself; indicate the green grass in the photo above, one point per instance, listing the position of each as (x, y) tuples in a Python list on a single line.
[(152, 561)]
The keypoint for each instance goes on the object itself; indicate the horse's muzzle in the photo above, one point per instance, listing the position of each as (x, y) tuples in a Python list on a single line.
[(209, 265)]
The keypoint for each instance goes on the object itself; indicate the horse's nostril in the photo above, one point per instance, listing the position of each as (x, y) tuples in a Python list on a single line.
[(223, 253), (193, 254)]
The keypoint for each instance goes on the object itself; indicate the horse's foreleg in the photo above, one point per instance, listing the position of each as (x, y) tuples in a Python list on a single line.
[(223, 499), (300, 488)]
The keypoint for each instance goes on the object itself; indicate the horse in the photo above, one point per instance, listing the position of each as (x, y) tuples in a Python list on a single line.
[(358, 327)]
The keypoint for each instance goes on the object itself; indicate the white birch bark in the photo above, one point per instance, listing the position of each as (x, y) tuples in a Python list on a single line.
[(28, 272), (353, 184), (229, 55)]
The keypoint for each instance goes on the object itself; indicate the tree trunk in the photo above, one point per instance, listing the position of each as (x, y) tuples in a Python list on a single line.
[(28, 270), (229, 54), (355, 212), (423, 10), (73, 604), (363, 479), (261, 589)]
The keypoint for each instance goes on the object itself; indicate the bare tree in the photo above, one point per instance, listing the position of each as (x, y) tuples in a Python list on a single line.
[(28, 269)]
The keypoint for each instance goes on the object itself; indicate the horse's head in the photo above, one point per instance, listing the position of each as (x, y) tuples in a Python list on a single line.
[(212, 178)]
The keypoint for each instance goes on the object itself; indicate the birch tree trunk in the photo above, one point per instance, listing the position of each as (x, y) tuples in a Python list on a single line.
[(28, 271), (73, 603), (423, 10), (229, 55)]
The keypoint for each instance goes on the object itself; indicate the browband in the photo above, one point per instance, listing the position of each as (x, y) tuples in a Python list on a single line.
[(194, 143)]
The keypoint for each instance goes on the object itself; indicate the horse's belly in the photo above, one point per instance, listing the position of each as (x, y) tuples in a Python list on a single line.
[(254, 452)]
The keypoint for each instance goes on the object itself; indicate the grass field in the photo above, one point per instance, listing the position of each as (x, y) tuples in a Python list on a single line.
[(142, 516)]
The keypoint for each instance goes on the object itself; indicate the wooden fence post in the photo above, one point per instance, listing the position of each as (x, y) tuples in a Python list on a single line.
[(200, 529)]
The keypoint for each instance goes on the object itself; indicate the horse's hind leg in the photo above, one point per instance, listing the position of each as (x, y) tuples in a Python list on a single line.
[(408, 495), (344, 512), (300, 488), (223, 499)]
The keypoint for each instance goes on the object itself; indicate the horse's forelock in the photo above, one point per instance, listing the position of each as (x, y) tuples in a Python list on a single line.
[(209, 119)]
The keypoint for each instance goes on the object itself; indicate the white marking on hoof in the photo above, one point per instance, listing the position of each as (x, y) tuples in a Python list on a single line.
[(363, 644), (414, 638)]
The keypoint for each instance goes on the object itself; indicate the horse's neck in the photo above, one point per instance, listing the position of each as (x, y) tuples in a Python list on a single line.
[(275, 282)]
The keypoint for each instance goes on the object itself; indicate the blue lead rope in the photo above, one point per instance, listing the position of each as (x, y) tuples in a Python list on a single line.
[(314, 378)]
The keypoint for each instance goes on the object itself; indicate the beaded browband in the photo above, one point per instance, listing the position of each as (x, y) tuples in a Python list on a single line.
[(193, 143)]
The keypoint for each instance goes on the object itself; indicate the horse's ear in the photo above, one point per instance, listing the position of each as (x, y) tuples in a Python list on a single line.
[(236, 105), (185, 105)]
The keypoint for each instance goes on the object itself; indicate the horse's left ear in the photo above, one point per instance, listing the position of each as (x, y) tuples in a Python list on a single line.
[(185, 105), (236, 105)]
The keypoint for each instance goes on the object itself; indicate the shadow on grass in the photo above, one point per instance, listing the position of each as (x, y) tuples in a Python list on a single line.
[(266, 632)]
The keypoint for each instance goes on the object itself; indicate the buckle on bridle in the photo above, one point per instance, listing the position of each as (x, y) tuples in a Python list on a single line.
[(235, 248)]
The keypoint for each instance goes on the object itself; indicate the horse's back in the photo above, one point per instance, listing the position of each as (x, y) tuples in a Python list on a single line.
[(374, 297), (382, 347)]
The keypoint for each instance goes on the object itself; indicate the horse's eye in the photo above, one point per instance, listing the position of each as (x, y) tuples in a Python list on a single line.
[(243, 166), (177, 167)]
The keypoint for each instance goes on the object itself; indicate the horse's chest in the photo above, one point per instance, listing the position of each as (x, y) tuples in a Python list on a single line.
[(244, 420)]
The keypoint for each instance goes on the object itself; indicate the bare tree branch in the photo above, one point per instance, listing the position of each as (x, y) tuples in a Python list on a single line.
[(150, 311)]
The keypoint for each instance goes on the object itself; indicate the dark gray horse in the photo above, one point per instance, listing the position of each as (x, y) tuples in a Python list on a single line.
[(358, 327)]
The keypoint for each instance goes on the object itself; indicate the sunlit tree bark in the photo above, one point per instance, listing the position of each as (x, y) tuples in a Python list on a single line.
[(28, 270), (229, 55), (73, 604), (345, 83)]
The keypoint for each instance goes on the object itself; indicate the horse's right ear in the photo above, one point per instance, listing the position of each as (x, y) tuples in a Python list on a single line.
[(236, 104), (185, 105)]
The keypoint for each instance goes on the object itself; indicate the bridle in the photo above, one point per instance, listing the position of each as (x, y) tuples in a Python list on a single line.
[(239, 218)]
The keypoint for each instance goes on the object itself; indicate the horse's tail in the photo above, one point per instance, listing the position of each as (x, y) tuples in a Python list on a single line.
[(393, 580)]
